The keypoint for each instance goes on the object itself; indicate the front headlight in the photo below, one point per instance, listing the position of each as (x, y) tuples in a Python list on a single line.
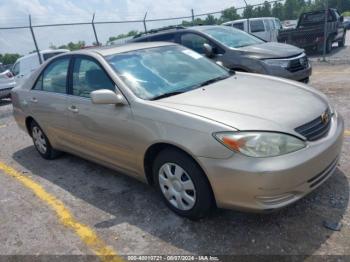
[(277, 62), (260, 144)]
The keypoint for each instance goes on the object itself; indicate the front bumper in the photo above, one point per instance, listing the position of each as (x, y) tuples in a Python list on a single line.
[(265, 184), (301, 75)]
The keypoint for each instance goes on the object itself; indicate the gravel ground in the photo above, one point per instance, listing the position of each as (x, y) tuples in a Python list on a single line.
[(130, 217)]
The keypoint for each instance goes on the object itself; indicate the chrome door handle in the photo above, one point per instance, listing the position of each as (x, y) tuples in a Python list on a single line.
[(73, 109), (34, 100)]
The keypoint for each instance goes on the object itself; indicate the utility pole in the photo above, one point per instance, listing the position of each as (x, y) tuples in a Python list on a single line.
[(93, 27), (192, 14), (325, 42), (248, 24), (35, 43)]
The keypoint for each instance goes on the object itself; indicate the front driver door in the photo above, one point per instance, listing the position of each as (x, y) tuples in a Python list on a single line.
[(100, 132)]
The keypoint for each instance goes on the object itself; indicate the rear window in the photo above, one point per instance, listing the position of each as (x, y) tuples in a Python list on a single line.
[(163, 37), (315, 18), (257, 26), (49, 55), (239, 26)]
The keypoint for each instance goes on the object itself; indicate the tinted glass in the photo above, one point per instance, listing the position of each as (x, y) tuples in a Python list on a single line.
[(232, 37), (15, 69), (257, 26), (88, 76), (156, 71), (194, 42), (55, 76), (239, 26), (163, 37), (49, 55)]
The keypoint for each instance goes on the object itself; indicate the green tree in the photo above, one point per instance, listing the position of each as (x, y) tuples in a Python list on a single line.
[(277, 10), (248, 12), (229, 14), (7, 58), (73, 46), (210, 20)]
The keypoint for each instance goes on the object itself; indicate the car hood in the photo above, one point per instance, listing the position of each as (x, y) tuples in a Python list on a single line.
[(253, 102), (271, 50)]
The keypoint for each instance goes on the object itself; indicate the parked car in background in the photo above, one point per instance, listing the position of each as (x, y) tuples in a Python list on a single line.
[(25, 65), (265, 28), (310, 31), (202, 135), (289, 24), (7, 82), (346, 23), (238, 50)]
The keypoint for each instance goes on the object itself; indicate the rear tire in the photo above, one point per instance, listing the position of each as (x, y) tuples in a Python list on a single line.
[(42, 143), (182, 184)]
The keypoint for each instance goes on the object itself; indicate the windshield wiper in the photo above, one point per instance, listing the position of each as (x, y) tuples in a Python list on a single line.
[(167, 95), (210, 81)]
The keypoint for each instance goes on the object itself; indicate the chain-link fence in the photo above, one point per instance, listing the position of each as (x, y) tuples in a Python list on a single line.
[(312, 31)]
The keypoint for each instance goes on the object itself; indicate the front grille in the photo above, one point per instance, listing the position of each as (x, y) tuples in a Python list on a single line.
[(316, 180), (316, 128), (298, 64)]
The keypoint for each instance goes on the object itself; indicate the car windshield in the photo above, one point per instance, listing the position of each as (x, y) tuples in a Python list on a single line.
[(163, 71), (232, 37)]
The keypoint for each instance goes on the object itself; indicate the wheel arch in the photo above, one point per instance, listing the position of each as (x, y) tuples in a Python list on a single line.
[(28, 121), (152, 152)]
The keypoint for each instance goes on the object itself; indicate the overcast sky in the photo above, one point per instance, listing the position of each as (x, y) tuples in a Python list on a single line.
[(15, 13)]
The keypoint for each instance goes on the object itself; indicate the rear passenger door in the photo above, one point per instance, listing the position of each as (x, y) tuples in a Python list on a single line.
[(48, 101)]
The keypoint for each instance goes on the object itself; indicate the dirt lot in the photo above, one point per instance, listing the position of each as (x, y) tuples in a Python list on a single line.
[(130, 218)]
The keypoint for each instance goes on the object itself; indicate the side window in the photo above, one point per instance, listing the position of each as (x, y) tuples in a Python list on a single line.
[(15, 69), (39, 83), (88, 76), (163, 37), (239, 26), (257, 26), (194, 42), (54, 77)]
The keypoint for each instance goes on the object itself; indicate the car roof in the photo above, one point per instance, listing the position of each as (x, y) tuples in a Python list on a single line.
[(250, 19), (115, 49), (174, 30)]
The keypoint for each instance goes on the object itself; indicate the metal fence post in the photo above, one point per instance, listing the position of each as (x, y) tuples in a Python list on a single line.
[(325, 31), (35, 43), (93, 27), (144, 22), (192, 14), (248, 25)]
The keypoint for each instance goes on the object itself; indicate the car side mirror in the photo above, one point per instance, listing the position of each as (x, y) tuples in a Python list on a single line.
[(341, 19), (106, 96), (208, 50)]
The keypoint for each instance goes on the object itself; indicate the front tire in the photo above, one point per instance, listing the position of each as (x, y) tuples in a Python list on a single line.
[(341, 43), (182, 184), (42, 143), (329, 44)]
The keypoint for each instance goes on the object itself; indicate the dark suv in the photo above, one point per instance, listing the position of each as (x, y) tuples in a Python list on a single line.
[(237, 50)]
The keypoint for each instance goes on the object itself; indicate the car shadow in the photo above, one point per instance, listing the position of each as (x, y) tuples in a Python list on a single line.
[(314, 54), (297, 229)]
